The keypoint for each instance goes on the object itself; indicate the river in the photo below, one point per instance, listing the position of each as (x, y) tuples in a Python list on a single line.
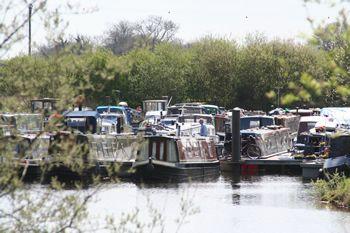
[(261, 204)]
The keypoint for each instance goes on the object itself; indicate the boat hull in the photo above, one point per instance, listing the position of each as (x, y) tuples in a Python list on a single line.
[(178, 171), (105, 169), (340, 164)]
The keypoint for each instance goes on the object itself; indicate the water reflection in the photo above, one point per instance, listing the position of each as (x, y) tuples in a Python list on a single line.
[(228, 204)]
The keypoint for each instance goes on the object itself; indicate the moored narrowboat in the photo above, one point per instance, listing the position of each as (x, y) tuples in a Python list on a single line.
[(107, 152), (177, 158), (339, 155)]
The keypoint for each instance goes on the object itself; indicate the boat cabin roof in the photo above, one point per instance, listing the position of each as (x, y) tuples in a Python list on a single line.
[(195, 117), (340, 115), (312, 118), (82, 114), (248, 122), (185, 109), (112, 109), (157, 101)]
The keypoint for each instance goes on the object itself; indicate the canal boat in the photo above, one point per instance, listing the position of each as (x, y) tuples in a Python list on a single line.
[(313, 137), (177, 158), (154, 110), (260, 135), (338, 160), (105, 150), (24, 132)]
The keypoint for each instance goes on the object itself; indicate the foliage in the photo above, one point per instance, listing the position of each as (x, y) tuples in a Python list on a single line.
[(333, 41), (336, 190), (210, 70)]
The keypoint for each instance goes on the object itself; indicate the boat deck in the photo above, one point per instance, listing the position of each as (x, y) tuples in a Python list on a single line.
[(279, 164)]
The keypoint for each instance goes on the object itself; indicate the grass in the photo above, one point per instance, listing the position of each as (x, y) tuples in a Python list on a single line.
[(336, 190)]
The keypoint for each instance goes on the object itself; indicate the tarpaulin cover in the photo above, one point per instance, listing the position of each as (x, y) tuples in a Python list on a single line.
[(339, 115)]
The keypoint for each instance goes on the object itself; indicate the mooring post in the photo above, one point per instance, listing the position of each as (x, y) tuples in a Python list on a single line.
[(236, 135)]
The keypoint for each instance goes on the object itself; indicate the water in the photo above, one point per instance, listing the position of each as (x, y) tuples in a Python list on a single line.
[(261, 204)]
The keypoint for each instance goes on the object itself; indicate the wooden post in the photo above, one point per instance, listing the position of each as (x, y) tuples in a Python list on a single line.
[(236, 136)]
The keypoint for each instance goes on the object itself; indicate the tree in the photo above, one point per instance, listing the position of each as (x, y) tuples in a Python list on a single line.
[(125, 36), (21, 209), (334, 89), (76, 45), (155, 30), (121, 38)]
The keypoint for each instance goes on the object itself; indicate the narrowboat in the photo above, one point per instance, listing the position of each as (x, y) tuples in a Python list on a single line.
[(313, 137), (106, 149), (154, 110), (25, 134), (338, 160), (177, 158), (261, 136)]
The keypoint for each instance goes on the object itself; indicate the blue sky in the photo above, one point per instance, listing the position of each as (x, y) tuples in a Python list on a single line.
[(233, 19)]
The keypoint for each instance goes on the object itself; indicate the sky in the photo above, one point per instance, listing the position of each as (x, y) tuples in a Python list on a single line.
[(232, 19)]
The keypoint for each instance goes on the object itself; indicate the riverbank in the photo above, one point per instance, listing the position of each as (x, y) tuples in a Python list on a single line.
[(335, 191)]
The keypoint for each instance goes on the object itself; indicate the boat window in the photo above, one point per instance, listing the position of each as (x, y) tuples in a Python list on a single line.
[(48, 105), (168, 122), (112, 110), (248, 123), (154, 150), (264, 121), (210, 110), (99, 149), (306, 126), (193, 110), (37, 105), (161, 151), (144, 152), (174, 111), (110, 117), (254, 124), (26, 123), (154, 106), (172, 151), (93, 148)]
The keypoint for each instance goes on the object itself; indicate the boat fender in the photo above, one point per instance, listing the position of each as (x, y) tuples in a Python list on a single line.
[(150, 164)]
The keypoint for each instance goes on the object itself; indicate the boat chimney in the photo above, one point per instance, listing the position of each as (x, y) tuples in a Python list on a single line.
[(178, 130), (119, 123), (236, 135)]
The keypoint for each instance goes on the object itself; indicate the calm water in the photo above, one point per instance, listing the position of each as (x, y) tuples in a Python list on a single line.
[(253, 204)]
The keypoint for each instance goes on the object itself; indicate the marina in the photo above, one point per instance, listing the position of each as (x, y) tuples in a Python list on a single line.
[(174, 142), (174, 117)]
